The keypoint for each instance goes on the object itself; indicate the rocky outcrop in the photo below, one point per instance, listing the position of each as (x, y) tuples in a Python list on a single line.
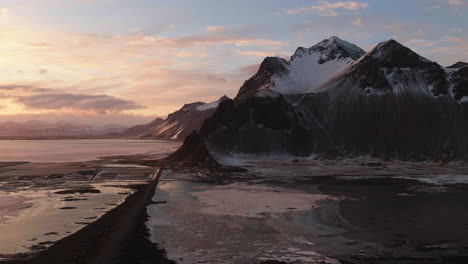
[(193, 152)]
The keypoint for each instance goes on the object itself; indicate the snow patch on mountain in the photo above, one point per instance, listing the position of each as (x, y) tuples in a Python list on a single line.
[(177, 125), (207, 106), (306, 72), (307, 69)]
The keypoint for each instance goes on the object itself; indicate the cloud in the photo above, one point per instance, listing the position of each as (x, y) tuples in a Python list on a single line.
[(83, 102), (257, 53), (329, 9), (457, 2), (357, 22), (214, 28), (24, 88), (458, 6), (237, 37), (247, 70), (38, 98), (420, 43), (453, 39), (432, 7), (168, 70), (5, 14), (42, 45)]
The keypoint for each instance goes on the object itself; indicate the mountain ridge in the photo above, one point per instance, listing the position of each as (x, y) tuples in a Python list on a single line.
[(38, 128), (306, 69), (390, 103), (178, 125)]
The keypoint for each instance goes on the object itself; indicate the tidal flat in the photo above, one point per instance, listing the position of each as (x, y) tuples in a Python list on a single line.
[(42, 202), (314, 211), (359, 210)]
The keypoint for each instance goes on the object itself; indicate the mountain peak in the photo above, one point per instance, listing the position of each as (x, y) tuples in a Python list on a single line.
[(331, 49), (458, 65), (391, 53), (222, 98)]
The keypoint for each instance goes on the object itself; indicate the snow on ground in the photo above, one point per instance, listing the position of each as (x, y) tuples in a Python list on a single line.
[(439, 179)]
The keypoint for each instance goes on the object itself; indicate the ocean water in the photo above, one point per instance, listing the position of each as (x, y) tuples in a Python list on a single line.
[(80, 149)]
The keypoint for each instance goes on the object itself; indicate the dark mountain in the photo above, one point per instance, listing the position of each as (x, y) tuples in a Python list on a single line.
[(177, 125), (390, 103), (458, 65), (137, 131)]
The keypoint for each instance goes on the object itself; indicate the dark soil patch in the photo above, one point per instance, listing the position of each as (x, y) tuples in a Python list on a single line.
[(80, 191)]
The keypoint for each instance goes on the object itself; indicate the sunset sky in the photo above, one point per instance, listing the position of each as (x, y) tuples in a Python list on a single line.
[(128, 61)]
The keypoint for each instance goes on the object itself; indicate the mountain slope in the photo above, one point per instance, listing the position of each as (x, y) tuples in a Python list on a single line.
[(137, 131), (177, 125), (390, 103), (307, 68)]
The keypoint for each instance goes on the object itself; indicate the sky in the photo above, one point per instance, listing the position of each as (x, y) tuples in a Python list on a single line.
[(129, 61)]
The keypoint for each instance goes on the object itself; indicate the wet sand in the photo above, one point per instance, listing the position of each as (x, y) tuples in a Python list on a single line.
[(45, 206), (409, 221), (100, 241), (41, 203)]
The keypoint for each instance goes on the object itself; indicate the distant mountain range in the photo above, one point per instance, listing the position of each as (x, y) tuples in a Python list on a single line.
[(334, 99), (178, 125), (36, 128)]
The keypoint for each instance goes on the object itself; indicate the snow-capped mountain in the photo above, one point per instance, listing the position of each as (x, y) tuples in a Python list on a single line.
[(391, 102), (306, 70), (37, 128), (177, 125)]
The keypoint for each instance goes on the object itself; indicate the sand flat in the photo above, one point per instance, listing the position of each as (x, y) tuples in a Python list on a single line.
[(240, 199)]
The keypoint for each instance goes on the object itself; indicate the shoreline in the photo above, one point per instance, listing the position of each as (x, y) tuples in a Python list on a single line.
[(122, 235), (84, 138)]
